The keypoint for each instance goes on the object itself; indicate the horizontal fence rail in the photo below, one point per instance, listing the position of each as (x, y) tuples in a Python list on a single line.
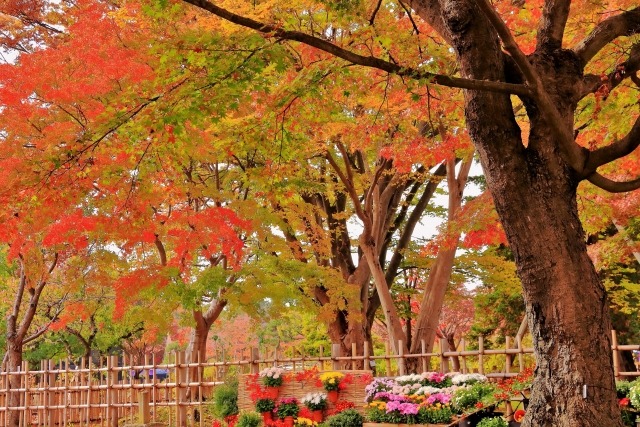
[(111, 391)]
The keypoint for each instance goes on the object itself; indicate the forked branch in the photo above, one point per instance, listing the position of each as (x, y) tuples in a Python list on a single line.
[(572, 153), (624, 24), (615, 150)]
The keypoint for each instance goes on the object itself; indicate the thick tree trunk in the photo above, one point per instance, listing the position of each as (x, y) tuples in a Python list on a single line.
[(567, 309)]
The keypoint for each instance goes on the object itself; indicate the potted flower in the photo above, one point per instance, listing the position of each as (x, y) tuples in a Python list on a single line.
[(287, 410), (316, 402), (304, 422), (272, 379), (265, 406), (331, 383)]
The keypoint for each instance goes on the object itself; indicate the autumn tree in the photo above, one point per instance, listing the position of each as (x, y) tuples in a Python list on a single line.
[(558, 62)]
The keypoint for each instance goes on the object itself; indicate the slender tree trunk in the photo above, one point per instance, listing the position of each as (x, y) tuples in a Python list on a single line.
[(13, 364), (440, 274)]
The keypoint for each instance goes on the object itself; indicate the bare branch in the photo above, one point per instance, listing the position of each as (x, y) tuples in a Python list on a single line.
[(615, 150), (624, 24), (375, 12), (357, 59), (552, 24), (572, 153)]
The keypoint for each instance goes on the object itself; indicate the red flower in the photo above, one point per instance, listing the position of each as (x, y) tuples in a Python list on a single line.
[(518, 415), (479, 405), (624, 402)]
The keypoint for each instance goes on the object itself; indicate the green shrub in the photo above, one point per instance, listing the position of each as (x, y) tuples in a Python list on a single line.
[(346, 418), (249, 419), (225, 400), (493, 422)]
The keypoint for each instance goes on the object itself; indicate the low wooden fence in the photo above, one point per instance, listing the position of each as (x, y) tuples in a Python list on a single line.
[(110, 392)]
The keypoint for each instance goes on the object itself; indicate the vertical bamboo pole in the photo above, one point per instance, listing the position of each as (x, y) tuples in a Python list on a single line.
[(354, 354), (481, 354), (143, 407), (366, 360), (66, 395), (336, 351), (463, 347), (27, 412), (154, 386), (444, 361), (520, 354), (321, 362), (387, 358), (616, 354), (423, 349), (50, 379), (181, 391), (112, 393), (401, 364), (200, 376), (508, 358), (102, 377)]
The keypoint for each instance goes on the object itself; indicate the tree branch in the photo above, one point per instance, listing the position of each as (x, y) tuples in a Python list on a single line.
[(613, 186), (552, 24), (615, 150), (624, 24), (627, 69), (357, 59), (572, 153)]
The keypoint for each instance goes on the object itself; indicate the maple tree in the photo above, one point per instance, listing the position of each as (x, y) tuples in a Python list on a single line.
[(533, 180)]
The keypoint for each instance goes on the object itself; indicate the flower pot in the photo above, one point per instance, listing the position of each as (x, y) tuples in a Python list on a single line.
[(332, 396), (288, 421), (272, 392), (316, 415), (266, 417)]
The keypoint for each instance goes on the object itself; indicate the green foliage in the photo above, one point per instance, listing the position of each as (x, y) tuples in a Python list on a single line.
[(265, 405), (225, 399), (493, 422), (249, 419), (465, 399), (430, 415), (346, 418)]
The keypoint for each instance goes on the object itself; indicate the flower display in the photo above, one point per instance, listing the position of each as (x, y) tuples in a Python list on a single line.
[(410, 399), (331, 380), (304, 422), (271, 377), (315, 401), (265, 405), (468, 379), (287, 407)]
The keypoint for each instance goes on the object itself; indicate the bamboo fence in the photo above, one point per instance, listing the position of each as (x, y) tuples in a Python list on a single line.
[(108, 392)]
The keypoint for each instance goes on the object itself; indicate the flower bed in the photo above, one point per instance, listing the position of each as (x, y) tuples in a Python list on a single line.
[(299, 384)]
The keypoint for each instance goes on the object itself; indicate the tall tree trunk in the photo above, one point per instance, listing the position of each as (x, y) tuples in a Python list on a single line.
[(567, 308), (13, 360)]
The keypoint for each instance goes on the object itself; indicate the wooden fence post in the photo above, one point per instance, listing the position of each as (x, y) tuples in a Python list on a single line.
[(616, 354), (112, 393), (481, 355), (401, 365), (387, 358), (254, 366), (508, 357), (425, 359), (336, 351), (354, 354), (143, 406), (366, 359), (463, 348), (181, 413), (444, 361)]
